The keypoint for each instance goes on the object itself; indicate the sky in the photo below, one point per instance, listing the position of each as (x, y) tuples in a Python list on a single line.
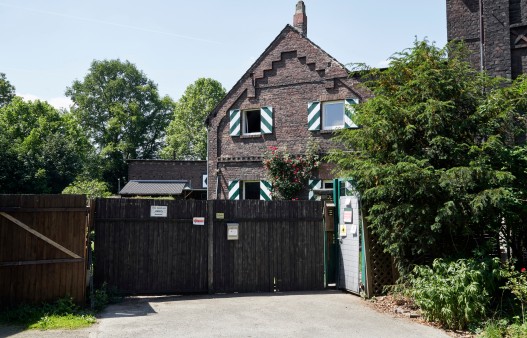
[(46, 45)]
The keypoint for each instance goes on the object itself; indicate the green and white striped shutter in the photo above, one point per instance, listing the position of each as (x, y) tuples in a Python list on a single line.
[(313, 115), (314, 184), (265, 191), (235, 126), (349, 110), (234, 190), (349, 189), (266, 120)]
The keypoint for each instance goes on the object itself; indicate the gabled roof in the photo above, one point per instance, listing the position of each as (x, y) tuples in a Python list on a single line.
[(154, 188), (288, 28)]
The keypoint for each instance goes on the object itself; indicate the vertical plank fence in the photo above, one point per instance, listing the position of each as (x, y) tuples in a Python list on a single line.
[(280, 246), (42, 248), (140, 254)]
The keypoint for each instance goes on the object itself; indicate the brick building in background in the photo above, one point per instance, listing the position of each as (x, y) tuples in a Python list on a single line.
[(495, 32), (178, 179), (293, 92)]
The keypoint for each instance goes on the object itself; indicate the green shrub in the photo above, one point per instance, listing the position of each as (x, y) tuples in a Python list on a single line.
[(500, 329), (455, 293), (517, 284)]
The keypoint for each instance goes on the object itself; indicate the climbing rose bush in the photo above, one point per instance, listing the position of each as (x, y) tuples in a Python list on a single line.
[(288, 173)]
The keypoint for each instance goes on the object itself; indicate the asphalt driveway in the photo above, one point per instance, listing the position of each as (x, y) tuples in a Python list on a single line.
[(313, 314)]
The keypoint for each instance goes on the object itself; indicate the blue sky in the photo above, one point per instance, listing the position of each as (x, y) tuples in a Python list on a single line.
[(46, 45)]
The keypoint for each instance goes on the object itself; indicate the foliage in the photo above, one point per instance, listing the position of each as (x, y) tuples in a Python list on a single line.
[(103, 296), (288, 173), (501, 329), (123, 114), (7, 91), (517, 284), (186, 136), (90, 188), (62, 314), (454, 293), (437, 159), (43, 149)]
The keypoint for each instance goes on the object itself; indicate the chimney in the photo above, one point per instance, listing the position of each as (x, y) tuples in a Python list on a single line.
[(300, 18)]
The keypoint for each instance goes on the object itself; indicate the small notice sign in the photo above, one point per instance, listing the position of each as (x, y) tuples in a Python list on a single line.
[(220, 215), (232, 231), (343, 230), (348, 215), (158, 211), (198, 220)]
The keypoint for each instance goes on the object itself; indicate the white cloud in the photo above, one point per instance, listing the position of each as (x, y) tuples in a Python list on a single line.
[(383, 64), (61, 102), (29, 97), (57, 102)]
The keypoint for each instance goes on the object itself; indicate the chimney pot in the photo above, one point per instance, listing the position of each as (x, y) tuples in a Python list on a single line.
[(300, 18)]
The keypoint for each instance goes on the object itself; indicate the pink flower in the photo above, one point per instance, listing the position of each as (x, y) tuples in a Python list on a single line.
[(523, 270)]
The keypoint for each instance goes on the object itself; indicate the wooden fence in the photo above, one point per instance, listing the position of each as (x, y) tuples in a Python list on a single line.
[(140, 254), (42, 248), (280, 246)]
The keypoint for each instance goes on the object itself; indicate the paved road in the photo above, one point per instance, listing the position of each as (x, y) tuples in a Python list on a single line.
[(316, 314)]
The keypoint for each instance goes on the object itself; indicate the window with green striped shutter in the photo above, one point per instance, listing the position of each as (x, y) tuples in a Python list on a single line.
[(235, 122), (266, 120), (313, 115), (234, 190), (265, 191), (349, 110)]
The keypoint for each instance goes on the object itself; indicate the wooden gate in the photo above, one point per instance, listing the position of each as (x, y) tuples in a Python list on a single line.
[(42, 248), (280, 246), (140, 254)]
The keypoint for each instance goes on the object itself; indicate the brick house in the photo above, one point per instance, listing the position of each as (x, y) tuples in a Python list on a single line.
[(293, 92), (495, 32)]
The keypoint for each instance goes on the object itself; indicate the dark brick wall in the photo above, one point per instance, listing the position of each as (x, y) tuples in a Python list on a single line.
[(504, 21), (292, 72), (168, 170)]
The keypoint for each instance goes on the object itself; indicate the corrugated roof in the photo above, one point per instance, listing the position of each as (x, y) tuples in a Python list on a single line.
[(153, 188)]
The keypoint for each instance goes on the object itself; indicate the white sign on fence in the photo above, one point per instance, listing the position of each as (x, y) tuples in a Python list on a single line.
[(198, 220), (158, 211)]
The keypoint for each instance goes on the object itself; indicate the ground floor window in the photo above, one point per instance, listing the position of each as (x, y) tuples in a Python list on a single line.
[(251, 190)]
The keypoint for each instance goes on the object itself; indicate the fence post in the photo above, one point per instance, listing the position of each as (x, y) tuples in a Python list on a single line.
[(210, 260)]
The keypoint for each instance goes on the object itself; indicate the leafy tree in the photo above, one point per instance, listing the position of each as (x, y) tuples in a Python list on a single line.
[(7, 91), (43, 149), (90, 188), (436, 159), (186, 135), (122, 112)]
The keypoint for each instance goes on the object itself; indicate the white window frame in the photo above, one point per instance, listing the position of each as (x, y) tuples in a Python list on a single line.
[(244, 190), (323, 114), (245, 122), (324, 183)]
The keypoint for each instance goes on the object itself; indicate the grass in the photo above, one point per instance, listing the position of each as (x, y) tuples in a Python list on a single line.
[(500, 329), (62, 314)]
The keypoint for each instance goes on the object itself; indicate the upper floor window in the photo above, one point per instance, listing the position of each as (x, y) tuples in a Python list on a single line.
[(332, 115), (251, 122)]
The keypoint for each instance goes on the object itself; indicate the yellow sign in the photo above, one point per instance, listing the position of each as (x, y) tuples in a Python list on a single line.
[(220, 215), (343, 232)]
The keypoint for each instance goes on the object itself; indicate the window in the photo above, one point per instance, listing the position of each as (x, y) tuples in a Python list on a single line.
[(251, 190), (251, 123), (327, 184), (332, 115)]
